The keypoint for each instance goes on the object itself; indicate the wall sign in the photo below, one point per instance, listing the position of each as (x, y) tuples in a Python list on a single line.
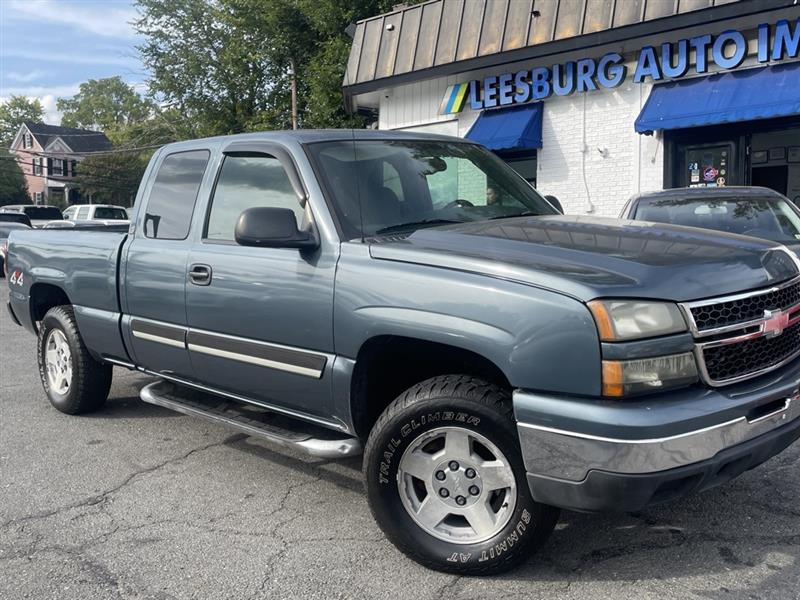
[(655, 63)]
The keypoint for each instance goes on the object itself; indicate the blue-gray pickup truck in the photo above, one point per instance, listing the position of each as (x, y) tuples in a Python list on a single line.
[(412, 296)]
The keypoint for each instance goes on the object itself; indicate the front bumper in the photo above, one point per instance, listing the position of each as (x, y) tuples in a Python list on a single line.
[(597, 455)]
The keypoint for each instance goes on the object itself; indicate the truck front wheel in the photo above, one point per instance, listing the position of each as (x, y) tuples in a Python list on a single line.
[(446, 482), (73, 380)]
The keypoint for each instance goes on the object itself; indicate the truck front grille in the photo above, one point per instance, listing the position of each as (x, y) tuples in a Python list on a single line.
[(743, 336), (733, 361), (741, 310)]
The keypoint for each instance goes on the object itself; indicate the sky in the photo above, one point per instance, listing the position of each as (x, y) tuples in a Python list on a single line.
[(49, 47)]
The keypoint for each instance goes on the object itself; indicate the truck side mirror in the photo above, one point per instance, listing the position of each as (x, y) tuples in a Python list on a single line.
[(555, 202), (271, 227)]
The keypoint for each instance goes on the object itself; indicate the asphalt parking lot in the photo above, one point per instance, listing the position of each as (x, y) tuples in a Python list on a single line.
[(138, 502)]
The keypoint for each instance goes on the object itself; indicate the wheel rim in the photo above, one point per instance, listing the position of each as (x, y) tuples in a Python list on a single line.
[(58, 361), (457, 485)]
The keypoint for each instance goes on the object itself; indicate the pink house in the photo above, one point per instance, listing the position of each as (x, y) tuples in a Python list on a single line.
[(48, 156)]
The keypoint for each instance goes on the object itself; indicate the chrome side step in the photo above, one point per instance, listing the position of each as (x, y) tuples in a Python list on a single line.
[(252, 420)]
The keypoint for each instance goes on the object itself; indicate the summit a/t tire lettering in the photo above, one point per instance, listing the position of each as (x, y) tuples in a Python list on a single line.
[(446, 482)]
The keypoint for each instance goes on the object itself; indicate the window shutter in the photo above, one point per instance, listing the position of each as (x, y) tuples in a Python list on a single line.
[(49, 167), (74, 167)]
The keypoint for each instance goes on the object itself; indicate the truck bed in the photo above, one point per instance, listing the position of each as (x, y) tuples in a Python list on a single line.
[(84, 265)]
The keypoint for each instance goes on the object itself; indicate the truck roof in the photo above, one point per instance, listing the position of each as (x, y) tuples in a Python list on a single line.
[(310, 136)]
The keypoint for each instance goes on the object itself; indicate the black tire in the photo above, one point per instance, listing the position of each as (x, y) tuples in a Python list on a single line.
[(477, 406), (90, 380)]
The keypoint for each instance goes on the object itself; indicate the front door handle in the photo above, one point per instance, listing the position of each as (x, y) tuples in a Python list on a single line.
[(200, 274)]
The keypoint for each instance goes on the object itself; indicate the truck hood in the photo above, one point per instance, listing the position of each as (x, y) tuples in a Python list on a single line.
[(593, 257)]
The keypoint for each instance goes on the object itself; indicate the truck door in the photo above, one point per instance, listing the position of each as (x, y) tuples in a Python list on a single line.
[(260, 319), (153, 281)]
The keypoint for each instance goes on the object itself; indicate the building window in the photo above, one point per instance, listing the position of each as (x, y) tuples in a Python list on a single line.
[(38, 197), (73, 167), (37, 166), (27, 141), (58, 167)]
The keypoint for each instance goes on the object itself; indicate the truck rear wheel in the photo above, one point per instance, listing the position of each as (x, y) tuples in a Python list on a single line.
[(73, 380), (446, 482)]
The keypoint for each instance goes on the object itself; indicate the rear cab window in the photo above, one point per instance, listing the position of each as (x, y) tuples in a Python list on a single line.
[(110, 212), (169, 209)]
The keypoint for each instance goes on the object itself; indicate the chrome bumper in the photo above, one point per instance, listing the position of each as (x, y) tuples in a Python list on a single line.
[(571, 455)]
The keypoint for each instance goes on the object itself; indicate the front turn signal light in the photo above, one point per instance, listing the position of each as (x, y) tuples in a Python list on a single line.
[(630, 377)]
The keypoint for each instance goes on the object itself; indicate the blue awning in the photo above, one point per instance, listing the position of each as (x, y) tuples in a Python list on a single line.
[(724, 98), (516, 128)]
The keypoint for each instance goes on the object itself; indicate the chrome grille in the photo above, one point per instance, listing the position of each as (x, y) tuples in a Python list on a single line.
[(742, 310), (742, 336), (732, 361)]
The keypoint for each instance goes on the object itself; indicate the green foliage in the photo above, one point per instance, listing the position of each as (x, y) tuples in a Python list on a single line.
[(13, 113), (104, 105), (228, 65), (13, 187), (112, 178)]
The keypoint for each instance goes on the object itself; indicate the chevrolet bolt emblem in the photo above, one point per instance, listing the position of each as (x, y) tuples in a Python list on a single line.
[(776, 321)]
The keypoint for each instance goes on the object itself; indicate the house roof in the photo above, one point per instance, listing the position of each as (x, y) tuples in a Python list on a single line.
[(78, 140), (443, 37)]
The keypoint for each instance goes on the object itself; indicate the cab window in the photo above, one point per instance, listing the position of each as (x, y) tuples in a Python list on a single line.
[(248, 181), (172, 199)]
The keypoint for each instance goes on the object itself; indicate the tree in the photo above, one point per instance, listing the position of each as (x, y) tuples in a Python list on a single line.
[(246, 65), (13, 187), (104, 105), (113, 177), (202, 65), (13, 113)]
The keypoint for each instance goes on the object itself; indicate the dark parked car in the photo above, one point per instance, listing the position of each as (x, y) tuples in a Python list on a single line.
[(754, 211), (15, 217), (37, 213), (5, 229)]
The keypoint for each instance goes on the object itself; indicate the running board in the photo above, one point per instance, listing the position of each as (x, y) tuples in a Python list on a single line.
[(252, 420)]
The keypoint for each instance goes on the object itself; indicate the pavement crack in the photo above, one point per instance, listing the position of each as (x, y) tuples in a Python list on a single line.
[(103, 496)]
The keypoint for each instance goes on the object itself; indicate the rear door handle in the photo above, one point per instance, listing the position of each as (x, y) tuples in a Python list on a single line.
[(200, 274)]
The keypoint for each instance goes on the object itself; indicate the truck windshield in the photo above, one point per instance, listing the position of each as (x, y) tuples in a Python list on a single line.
[(771, 218), (382, 186)]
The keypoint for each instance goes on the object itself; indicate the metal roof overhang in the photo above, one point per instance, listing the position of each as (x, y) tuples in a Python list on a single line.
[(738, 8)]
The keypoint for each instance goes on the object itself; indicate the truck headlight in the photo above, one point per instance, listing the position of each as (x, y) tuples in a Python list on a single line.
[(622, 320), (628, 377)]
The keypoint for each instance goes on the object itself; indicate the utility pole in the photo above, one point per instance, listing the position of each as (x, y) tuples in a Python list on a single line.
[(294, 93)]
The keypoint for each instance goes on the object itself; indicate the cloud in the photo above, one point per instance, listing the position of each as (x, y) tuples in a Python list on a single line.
[(48, 96), (59, 91), (100, 18), (25, 77), (52, 116), (72, 58)]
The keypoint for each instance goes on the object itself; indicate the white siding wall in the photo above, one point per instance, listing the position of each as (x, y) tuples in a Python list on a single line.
[(592, 159), (632, 162)]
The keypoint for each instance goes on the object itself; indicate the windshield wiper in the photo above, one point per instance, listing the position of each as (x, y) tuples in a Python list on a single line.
[(528, 213), (412, 224)]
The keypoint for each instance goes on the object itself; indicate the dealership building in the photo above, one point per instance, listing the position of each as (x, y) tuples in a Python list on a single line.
[(593, 101)]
